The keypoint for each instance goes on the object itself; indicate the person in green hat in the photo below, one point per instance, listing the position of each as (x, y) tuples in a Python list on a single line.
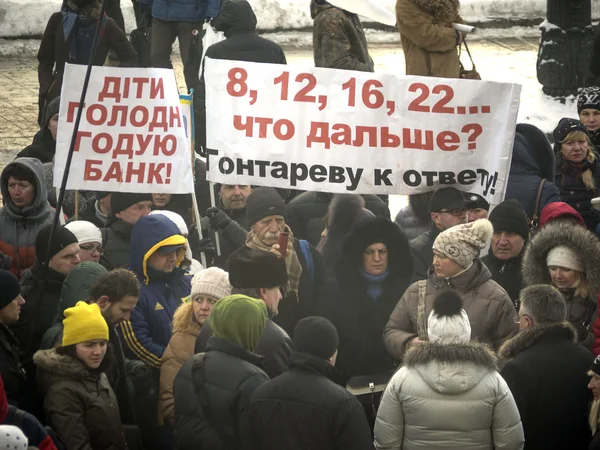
[(212, 390)]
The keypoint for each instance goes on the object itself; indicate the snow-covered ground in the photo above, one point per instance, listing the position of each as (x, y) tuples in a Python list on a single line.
[(20, 18)]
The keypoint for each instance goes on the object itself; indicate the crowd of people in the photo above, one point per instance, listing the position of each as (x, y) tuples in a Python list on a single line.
[(456, 325)]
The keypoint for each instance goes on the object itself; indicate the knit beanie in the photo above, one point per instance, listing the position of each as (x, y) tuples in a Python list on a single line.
[(589, 98), (99, 195), (263, 202), (563, 256), (85, 231), (83, 323), (510, 216), (239, 318), (462, 243), (213, 282), (316, 336), (61, 239), (120, 201), (564, 128), (448, 322), (250, 268), (52, 108), (448, 199), (9, 289), (12, 438)]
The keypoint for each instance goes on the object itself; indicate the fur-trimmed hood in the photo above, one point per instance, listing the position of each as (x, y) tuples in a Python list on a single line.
[(53, 367), (583, 241), (443, 11), (533, 335), (184, 320), (451, 369)]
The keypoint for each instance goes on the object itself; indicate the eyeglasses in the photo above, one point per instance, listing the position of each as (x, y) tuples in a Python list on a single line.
[(454, 212), (92, 248)]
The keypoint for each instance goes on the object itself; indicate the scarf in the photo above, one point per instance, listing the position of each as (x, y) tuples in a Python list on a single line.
[(294, 268), (99, 214), (374, 283), (78, 29), (573, 169)]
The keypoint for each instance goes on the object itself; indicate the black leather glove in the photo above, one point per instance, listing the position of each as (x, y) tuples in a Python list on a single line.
[(5, 261), (218, 219), (206, 246)]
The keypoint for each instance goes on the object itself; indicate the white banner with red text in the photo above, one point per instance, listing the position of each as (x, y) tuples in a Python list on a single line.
[(343, 131), (132, 136)]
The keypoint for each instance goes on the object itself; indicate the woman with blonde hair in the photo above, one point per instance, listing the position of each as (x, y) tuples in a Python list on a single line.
[(577, 171), (208, 286)]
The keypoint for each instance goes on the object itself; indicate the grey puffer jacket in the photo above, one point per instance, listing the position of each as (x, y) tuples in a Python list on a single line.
[(491, 312), (581, 312), (448, 396)]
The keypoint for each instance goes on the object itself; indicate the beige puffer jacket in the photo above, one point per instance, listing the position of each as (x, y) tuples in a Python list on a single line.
[(491, 313), (448, 397)]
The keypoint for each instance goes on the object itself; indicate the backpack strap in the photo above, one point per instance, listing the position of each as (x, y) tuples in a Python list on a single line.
[(421, 320), (534, 222), (308, 257)]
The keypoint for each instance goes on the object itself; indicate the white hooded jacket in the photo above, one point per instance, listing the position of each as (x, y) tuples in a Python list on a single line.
[(448, 397)]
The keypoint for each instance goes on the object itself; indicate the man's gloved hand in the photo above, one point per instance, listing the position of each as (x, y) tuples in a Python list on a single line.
[(5, 261), (218, 219), (206, 246)]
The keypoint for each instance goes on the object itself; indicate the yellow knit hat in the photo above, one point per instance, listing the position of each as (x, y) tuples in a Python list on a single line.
[(83, 323)]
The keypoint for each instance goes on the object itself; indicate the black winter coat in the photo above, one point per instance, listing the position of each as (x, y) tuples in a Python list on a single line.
[(546, 372), (115, 240), (410, 223), (238, 22), (506, 273), (275, 346), (231, 375), (421, 249), (308, 407), (42, 147), (13, 374), (305, 213), (88, 212), (595, 60), (575, 193), (532, 161)]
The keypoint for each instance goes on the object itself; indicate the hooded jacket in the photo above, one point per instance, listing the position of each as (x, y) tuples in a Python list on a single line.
[(19, 226), (80, 405), (358, 318), (31, 427), (428, 39), (339, 41), (149, 330), (53, 53), (76, 287), (555, 210), (230, 374), (181, 348), (414, 219), (532, 161), (448, 396), (537, 365), (43, 146), (238, 22), (305, 213), (308, 407), (491, 312), (185, 10), (581, 312), (115, 241)]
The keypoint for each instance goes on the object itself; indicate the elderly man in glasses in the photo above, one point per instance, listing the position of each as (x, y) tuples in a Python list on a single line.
[(447, 208), (90, 239)]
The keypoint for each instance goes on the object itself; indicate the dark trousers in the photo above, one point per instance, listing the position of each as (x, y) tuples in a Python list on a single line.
[(113, 10), (163, 37)]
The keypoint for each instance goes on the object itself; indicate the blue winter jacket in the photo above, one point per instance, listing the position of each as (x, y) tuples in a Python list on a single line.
[(149, 330), (185, 10)]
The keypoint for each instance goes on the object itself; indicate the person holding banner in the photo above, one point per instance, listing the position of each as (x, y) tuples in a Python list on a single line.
[(428, 40), (457, 266), (126, 210), (306, 269), (339, 40), (25, 211)]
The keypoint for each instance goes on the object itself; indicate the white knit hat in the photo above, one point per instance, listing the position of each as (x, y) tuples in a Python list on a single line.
[(183, 229), (462, 243), (212, 281), (563, 256), (12, 438), (85, 231), (448, 322)]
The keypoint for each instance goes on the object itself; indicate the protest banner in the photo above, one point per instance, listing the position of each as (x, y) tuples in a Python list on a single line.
[(354, 132), (132, 136)]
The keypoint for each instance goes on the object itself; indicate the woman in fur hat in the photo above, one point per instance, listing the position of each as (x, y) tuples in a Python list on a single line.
[(456, 264), (208, 286), (68, 38), (566, 256), (577, 169), (79, 403), (449, 393)]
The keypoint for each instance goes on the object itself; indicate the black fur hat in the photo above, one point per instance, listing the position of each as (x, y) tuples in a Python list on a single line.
[(249, 268)]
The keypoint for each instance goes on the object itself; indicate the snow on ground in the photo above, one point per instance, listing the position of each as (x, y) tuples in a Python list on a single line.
[(20, 18)]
